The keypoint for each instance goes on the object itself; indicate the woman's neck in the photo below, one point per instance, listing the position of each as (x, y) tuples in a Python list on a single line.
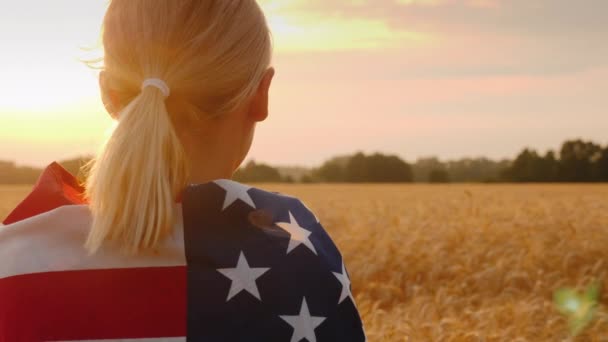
[(210, 164), (204, 171)]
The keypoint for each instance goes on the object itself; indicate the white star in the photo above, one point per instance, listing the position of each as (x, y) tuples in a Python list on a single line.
[(304, 324), (298, 234), (235, 191), (343, 279), (243, 278)]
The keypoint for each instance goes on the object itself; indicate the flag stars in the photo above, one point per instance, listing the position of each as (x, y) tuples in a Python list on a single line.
[(345, 281), (298, 235), (235, 191), (243, 278), (304, 324)]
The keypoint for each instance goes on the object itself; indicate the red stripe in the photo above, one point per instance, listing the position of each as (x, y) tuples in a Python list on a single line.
[(94, 304)]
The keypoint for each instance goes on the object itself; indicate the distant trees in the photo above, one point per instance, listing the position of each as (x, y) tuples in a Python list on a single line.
[(257, 173), (423, 168), (476, 170), (10, 173), (601, 166), (576, 161), (462, 170), (361, 168), (439, 176), (579, 161), (332, 171), (529, 166)]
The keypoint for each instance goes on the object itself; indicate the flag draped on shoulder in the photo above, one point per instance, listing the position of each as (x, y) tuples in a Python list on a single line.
[(55, 188), (242, 265)]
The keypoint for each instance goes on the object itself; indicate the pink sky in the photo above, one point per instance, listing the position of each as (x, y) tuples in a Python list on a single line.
[(409, 77)]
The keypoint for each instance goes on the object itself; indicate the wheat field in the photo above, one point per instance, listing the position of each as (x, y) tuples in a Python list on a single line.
[(460, 262)]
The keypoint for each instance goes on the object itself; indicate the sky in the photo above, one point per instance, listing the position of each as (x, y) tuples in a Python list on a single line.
[(448, 78)]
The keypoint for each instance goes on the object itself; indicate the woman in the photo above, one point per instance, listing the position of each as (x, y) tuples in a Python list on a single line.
[(159, 244)]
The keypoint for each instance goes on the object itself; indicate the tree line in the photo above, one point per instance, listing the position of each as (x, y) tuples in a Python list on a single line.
[(575, 161)]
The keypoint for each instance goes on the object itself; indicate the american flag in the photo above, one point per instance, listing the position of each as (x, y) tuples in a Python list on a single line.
[(243, 264)]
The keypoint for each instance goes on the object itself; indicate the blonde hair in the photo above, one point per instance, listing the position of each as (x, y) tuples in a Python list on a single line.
[(212, 54)]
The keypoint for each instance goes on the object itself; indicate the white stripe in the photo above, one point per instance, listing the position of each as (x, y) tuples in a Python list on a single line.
[(54, 241), (160, 339)]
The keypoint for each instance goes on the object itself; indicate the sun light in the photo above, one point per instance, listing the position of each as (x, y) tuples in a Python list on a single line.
[(40, 61)]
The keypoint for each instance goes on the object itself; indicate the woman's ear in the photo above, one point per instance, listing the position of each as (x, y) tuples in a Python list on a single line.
[(259, 105), (109, 101)]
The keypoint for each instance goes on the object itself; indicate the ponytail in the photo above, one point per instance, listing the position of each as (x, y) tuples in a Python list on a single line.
[(213, 54), (135, 180)]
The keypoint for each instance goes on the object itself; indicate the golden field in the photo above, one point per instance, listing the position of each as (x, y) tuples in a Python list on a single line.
[(460, 262)]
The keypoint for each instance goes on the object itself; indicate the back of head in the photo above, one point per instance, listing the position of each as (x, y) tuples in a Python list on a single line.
[(212, 55)]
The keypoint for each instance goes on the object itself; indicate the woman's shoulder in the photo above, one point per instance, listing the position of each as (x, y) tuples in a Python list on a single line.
[(231, 197), (54, 242), (63, 219), (29, 243), (268, 253), (239, 217)]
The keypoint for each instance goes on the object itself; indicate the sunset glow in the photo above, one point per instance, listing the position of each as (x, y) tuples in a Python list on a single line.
[(411, 77)]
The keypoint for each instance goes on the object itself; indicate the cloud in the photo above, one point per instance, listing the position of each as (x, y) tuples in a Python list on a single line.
[(299, 25), (450, 38), (314, 32), (517, 16)]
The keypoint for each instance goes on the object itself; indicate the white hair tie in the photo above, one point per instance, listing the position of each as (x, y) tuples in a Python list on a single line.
[(157, 83)]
